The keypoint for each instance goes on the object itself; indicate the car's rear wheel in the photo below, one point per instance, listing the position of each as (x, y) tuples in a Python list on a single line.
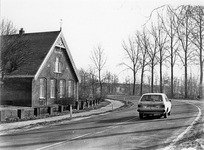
[(141, 116), (169, 113), (165, 115)]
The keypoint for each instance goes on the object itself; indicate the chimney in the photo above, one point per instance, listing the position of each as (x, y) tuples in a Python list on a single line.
[(21, 31)]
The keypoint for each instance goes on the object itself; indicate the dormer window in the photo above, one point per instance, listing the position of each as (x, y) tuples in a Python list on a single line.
[(58, 67)]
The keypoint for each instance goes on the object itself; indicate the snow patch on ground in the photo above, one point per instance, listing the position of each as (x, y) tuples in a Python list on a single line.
[(192, 138)]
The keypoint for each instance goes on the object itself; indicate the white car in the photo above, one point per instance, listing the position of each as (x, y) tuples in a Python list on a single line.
[(154, 103)]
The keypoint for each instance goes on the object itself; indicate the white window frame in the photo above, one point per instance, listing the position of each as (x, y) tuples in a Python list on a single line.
[(62, 87), (42, 88), (58, 67), (52, 88), (70, 88)]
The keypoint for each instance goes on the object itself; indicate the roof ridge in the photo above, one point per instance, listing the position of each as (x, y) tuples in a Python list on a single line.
[(38, 32)]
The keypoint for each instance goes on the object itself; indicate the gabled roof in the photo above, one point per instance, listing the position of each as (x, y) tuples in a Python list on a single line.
[(39, 46)]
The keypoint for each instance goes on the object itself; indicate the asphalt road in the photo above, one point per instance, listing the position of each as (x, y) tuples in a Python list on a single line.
[(116, 130)]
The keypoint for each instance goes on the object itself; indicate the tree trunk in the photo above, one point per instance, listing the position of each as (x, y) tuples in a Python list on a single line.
[(172, 81), (161, 86), (152, 82), (141, 84), (100, 83), (186, 78), (201, 63), (134, 81), (172, 68), (186, 61), (84, 86), (201, 77)]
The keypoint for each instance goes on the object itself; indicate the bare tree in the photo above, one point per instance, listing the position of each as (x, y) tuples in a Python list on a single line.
[(164, 33), (169, 25), (111, 81), (127, 85), (88, 82), (197, 40), (132, 51), (92, 80), (7, 27), (152, 52), (107, 80), (183, 30), (143, 42), (99, 60), (14, 52), (115, 82), (161, 39), (84, 83), (14, 48), (149, 82)]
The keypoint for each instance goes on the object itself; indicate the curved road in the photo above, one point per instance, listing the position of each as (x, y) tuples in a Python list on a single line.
[(116, 130)]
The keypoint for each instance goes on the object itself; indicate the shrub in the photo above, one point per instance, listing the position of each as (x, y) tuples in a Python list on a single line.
[(65, 101)]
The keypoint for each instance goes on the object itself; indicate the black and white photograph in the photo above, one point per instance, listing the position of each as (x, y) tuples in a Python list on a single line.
[(101, 75)]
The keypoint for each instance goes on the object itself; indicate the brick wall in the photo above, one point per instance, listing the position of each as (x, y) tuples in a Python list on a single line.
[(16, 92)]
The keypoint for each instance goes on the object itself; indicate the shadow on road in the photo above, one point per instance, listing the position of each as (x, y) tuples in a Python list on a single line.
[(135, 119)]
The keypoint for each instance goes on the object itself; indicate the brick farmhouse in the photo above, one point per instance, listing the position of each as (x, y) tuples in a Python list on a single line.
[(49, 74)]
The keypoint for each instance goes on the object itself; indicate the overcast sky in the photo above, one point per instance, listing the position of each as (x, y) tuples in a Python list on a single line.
[(86, 23)]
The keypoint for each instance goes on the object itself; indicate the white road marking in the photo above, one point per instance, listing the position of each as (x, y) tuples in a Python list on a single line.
[(63, 142), (171, 146), (78, 137)]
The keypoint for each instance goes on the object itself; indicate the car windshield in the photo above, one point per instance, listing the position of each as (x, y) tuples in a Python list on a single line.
[(152, 98)]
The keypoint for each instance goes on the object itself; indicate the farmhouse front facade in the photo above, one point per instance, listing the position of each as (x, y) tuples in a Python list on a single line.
[(49, 74)]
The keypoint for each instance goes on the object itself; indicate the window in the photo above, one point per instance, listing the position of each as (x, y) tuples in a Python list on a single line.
[(152, 98), (70, 88), (166, 98), (42, 88), (52, 88), (62, 88), (58, 68)]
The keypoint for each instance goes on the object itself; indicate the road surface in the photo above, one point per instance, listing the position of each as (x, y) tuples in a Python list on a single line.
[(113, 131)]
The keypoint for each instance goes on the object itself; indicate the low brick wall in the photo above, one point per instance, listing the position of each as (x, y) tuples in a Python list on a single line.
[(13, 114)]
